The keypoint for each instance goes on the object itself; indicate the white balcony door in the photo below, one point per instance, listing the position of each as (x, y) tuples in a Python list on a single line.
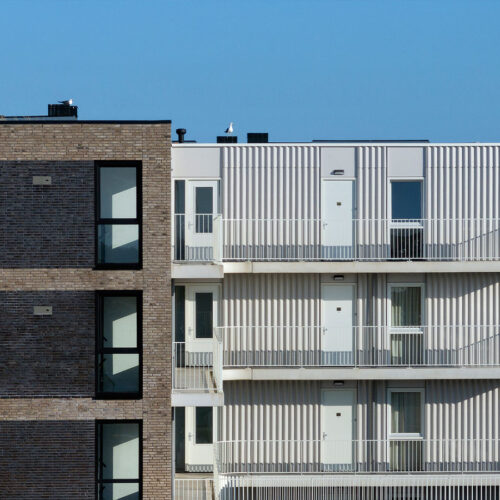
[(337, 213), (201, 223), (337, 429), (201, 318), (337, 315), (200, 433)]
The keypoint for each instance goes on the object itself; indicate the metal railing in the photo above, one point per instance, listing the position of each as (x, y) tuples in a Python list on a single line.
[(437, 345), (445, 487), (197, 237), (208, 237), (197, 365), (395, 456), (194, 489)]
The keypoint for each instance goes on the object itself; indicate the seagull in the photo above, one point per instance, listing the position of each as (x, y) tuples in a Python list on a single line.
[(229, 129), (68, 102)]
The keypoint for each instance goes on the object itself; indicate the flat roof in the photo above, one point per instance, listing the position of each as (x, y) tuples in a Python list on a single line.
[(23, 120)]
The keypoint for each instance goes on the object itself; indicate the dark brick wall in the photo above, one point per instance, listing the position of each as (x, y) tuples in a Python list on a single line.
[(46, 226), (47, 355), (47, 460)]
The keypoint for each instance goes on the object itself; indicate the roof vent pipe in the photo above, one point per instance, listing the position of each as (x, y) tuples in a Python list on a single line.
[(181, 132)]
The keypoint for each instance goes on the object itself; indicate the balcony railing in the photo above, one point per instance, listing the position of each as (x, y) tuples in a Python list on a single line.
[(197, 365), (194, 489), (302, 346), (208, 237), (397, 456)]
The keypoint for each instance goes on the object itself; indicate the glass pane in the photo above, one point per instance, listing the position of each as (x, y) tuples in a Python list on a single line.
[(118, 191), (120, 321), (405, 409), (120, 451), (180, 313), (406, 200), (204, 426), (180, 197), (406, 306), (204, 200), (118, 244), (120, 372), (204, 315), (119, 491)]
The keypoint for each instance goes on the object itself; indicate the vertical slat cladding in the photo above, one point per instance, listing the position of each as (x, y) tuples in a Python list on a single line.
[(466, 306), (271, 300), (283, 182), (462, 182), (371, 196)]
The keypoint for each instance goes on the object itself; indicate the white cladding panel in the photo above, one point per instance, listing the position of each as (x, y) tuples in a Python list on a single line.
[(338, 158), (405, 161), (195, 162)]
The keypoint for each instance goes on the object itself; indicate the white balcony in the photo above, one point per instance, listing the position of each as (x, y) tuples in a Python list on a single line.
[(210, 238), (197, 372), (366, 346), (194, 489), (389, 456)]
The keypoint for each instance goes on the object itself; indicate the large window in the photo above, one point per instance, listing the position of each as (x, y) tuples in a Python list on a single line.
[(406, 429), (406, 199), (204, 304), (119, 344), (118, 214), (118, 461), (406, 322)]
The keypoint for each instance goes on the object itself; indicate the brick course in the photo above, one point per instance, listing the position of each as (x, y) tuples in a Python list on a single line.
[(89, 142)]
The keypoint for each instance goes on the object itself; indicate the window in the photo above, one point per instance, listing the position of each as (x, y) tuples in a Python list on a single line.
[(406, 320), (406, 413), (119, 460), (406, 305), (204, 201), (406, 429), (180, 219), (406, 199), (204, 425), (204, 315), (119, 339), (118, 215)]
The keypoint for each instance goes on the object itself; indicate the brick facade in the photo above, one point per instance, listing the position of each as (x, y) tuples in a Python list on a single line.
[(47, 460), (47, 226), (50, 355), (89, 142)]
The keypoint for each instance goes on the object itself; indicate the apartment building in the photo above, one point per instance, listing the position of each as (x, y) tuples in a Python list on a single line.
[(336, 320), (85, 309)]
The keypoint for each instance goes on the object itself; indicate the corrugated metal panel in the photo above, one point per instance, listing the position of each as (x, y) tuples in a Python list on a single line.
[(271, 182), (462, 182), (464, 299)]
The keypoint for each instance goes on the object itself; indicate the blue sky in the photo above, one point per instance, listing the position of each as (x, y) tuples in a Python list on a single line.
[(299, 69)]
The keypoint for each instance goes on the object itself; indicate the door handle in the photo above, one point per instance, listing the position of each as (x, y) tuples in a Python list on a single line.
[(190, 436), (324, 435)]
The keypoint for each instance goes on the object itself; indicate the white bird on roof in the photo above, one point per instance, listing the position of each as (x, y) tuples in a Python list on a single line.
[(229, 129), (68, 102)]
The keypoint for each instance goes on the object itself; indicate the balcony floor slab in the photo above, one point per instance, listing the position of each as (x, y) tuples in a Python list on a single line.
[(345, 267), (349, 373)]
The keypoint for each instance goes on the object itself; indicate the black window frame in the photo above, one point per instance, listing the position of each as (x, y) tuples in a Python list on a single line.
[(98, 461), (110, 221), (100, 349)]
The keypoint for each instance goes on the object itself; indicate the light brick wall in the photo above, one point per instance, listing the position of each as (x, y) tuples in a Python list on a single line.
[(149, 143)]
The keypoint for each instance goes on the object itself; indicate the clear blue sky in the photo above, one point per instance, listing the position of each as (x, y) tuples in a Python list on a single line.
[(300, 69)]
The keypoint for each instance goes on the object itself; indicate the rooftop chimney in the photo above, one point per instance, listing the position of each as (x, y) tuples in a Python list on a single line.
[(181, 132), (227, 139), (63, 110), (257, 137)]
